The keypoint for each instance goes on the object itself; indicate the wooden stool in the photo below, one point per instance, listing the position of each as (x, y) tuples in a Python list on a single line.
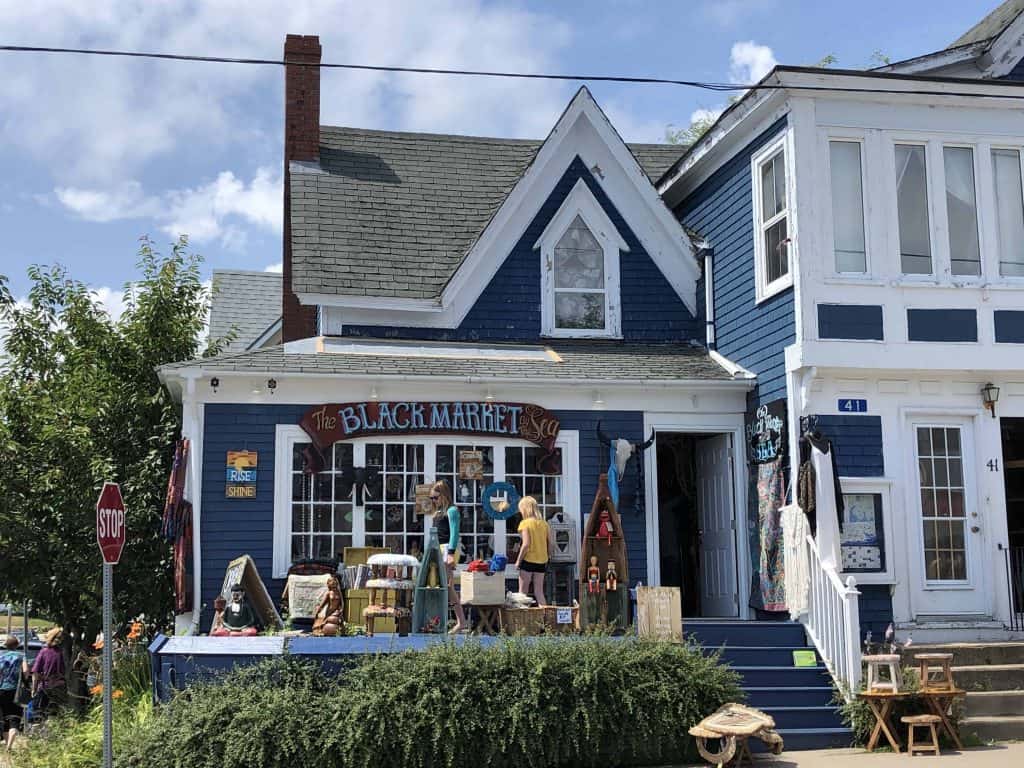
[(913, 721), (876, 664), (941, 662)]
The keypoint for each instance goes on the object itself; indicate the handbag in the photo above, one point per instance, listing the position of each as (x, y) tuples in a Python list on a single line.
[(23, 693)]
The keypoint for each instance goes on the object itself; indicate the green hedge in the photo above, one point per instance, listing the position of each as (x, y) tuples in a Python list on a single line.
[(588, 702)]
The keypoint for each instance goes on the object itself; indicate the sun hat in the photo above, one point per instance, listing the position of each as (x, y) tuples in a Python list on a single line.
[(54, 636)]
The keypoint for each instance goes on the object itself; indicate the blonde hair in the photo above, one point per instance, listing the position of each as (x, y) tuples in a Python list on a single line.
[(528, 507), (441, 489)]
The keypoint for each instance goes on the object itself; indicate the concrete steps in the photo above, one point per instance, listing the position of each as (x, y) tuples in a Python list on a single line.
[(993, 676)]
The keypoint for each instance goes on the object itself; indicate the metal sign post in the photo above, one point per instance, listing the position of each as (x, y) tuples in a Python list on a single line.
[(110, 535)]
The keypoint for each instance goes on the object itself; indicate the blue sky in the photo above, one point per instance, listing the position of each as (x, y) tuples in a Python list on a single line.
[(96, 152)]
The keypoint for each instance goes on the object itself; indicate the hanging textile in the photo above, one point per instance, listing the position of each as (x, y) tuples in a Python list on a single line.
[(770, 594), (176, 525), (795, 529), (805, 494), (182, 551), (170, 523), (613, 473), (828, 500)]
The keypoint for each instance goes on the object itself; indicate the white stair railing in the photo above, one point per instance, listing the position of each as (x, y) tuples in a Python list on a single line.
[(832, 620)]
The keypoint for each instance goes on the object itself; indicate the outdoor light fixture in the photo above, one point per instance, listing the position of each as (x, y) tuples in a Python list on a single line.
[(489, 397), (990, 396), (271, 385), (373, 394), (214, 382), (598, 404)]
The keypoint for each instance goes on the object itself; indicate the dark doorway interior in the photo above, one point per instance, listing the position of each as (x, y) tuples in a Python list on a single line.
[(1013, 466), (678, 519)]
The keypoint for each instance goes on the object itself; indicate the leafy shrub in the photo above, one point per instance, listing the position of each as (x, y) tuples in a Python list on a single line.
[(591, 701)]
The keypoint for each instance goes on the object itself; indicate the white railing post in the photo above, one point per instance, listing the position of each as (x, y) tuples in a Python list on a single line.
[(852, 632)]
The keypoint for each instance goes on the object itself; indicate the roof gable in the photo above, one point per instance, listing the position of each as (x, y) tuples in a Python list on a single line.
[(444, 290), (246, 302)]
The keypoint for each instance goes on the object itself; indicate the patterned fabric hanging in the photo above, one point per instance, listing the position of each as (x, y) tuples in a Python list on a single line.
[(176, 525)]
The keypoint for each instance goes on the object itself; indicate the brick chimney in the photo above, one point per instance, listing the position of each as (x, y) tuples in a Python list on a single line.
[(301, 143)]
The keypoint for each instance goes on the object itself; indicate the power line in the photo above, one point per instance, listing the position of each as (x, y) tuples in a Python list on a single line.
[(705, 85)]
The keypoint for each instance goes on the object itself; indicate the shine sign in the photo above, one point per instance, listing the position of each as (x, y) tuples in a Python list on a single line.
[(110, 527)]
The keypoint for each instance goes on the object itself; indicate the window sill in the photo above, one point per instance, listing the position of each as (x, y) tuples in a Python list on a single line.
[(580, 335), (854, 280), (774, 289)]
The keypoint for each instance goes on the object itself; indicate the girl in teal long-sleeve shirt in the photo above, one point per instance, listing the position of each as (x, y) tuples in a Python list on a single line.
[(446, 521)]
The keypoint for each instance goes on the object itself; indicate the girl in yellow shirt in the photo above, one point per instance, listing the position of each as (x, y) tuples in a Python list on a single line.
[(533, 554)]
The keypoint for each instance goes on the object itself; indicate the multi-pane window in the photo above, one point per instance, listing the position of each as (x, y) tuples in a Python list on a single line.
[(1009, 211), (579, 279), (943, 507), (321, 505), (774, 232), (847, 206), (912, 210), (962, 211), (521, 470), (476, 527), (390, 500)]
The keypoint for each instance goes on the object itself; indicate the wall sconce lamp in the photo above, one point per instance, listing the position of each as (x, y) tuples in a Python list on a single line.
[(989, 397), (373, 394), (214, 383), (271, 385), (598, 404), (489, 397)]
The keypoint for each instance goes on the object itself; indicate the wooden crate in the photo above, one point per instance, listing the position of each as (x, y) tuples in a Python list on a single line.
[(522, 621), (478, 588), (355, 601), (359, 555)]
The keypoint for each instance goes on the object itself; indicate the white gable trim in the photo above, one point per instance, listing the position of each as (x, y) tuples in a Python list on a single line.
[(1006, 50), (581, 202), (583, 130)]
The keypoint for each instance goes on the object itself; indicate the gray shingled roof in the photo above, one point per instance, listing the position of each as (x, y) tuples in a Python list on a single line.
[(597, 360), (247, 301), (992, 25), (393, 214)]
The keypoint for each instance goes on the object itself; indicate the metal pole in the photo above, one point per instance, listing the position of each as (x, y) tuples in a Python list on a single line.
[(24, 619), (108, 673)]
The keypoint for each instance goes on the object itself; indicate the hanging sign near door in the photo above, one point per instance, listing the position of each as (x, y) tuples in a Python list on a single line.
[(659, 613), (327, 424), (766, 433), (240, 475)]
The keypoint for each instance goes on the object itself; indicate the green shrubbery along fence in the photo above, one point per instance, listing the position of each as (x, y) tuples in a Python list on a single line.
[(586, 702)]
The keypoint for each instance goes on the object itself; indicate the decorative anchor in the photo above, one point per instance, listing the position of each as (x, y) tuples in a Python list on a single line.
[(624, 452)]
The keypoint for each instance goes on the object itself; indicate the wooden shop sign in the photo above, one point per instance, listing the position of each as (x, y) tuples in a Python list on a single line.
[(327, 424), (659, 613), (240, 477)]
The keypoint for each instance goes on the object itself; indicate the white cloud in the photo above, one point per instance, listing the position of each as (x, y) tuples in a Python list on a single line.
[(749, 62), (93, 120), (275, 267), (703, 115), (212, 211), (727, 12), (111, 300)]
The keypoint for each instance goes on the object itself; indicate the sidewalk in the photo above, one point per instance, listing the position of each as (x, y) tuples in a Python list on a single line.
[(995, 756)]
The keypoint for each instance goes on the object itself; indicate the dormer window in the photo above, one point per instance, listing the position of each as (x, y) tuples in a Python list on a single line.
[(580, 250)]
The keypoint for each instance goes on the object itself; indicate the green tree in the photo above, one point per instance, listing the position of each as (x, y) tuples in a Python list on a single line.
[(80, 403)]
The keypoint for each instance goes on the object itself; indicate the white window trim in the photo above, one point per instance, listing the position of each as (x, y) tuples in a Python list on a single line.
[(861, 140), (764, 289), (944, 223), (581, 202), (882, 486), (286, 435), (933, 189), (990, 266)]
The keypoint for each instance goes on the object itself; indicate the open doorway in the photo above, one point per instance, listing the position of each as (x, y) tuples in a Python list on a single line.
[(696, 522), (1013, 473)]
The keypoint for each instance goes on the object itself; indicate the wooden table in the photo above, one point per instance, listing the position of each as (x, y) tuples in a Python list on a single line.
[(489, 618), (881, 703), (939, 702)]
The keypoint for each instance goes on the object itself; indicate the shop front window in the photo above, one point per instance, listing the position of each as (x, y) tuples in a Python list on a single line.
[(389, 503), (476, 528), (521, 471), (321, 505)]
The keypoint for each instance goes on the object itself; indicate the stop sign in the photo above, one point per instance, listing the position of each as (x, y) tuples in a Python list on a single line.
[(110, 530)]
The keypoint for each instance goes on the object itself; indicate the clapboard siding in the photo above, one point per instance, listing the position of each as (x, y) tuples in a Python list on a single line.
[(509, 309), (233, 527), (753, 335), (857, 441)]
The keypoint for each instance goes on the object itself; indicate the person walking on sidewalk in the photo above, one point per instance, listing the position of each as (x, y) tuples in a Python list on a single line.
[(12, 668)]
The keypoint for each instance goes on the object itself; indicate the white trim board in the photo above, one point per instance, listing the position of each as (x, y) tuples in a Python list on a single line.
[(583, 130)]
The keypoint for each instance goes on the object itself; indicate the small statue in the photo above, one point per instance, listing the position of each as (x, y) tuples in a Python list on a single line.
[(217, 627), (611, 578), (327, 620), (237, 619), (593, 576), (605, 529)]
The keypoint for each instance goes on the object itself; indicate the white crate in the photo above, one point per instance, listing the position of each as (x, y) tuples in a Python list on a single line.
[(478, 588)]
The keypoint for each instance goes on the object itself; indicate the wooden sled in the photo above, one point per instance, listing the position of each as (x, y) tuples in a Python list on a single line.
[(732, 725)]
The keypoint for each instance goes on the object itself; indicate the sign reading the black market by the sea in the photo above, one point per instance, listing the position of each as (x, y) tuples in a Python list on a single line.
[(327, 424), (766, 433)]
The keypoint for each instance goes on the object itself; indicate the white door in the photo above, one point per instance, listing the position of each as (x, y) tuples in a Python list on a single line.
[(946, 531), (718, 583)]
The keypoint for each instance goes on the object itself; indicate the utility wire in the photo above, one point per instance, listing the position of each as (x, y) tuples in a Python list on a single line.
[(709, 86)]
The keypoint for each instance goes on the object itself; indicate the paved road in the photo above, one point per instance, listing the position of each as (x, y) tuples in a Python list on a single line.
[(996, 756)]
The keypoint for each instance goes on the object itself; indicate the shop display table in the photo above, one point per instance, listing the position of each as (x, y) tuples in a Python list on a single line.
[(881, 704), (939, 702), (488, 617)]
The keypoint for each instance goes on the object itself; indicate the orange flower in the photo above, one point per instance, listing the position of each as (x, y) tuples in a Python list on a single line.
[(117, 694), (96, 690)]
